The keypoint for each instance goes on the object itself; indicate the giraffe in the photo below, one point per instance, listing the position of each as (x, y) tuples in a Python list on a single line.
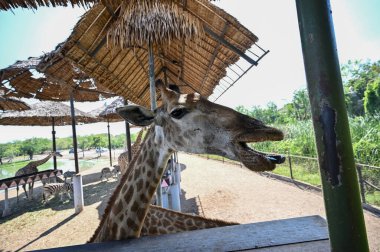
[(123, 157), (164, 221), (30, 168), (184, 122)]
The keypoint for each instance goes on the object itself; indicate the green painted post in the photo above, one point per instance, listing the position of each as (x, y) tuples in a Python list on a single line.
[(335, 154)]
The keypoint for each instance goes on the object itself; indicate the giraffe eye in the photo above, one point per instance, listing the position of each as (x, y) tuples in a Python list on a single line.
[(179, 113)]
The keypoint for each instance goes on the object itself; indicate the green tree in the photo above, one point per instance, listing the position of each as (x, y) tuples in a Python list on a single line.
[(301, 105), (3, 148), (372, 98), (35, 145), (356, 76)]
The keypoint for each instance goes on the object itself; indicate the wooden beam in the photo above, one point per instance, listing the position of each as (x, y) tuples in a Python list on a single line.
[(229, 45), (211, 62), (131, 93), (183, 81)]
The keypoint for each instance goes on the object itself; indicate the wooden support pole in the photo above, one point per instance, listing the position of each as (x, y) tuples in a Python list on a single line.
[(332, 133), (78, 193)]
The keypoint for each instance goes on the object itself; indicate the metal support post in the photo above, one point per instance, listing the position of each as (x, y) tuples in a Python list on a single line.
[(109, 141), (290, 166), (54, 143), (174, 188), (153, 106), (73, 125), (361, 183), (335, 154), (128, 137)]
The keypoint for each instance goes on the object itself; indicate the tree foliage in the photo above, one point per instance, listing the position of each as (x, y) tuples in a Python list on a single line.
[(372, 98), (33, 146), (357, 78), (362, 89)]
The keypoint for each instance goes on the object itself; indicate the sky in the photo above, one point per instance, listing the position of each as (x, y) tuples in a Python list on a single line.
[(26, 33)]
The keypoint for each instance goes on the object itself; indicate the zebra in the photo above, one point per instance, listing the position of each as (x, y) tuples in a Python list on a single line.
[(105, 173), (69, 174), (116, 171), (57, 188)]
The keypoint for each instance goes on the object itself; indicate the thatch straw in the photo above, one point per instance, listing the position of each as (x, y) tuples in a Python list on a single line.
[(55, 83), (196, 67), (152, 21), (12, 104), (30, 4), (41, 114), (108, 113)]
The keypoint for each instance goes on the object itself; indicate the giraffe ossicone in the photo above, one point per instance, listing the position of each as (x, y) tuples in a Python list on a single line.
[(184, 122)]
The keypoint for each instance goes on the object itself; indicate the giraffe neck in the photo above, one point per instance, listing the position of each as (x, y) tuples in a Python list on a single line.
[(138, 138), (128, 206), (40, 162)]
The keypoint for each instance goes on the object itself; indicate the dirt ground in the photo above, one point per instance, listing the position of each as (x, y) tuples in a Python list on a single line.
[(209, 188)]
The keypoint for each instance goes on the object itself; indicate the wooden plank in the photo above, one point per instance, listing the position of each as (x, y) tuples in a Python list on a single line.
[(231, 238), (313, 246)]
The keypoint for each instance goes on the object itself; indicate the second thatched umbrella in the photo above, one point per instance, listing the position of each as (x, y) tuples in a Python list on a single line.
[(45, 114), (109, 114), (12, 104)]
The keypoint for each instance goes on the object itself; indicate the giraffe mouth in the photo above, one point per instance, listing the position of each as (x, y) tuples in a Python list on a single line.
[(255, 160)]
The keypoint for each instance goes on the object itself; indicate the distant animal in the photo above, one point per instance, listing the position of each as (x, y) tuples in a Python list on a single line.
[(69, 174), (105, 173), (30, 168), (123, 159), (57, 188), (47, 180), (116, 171)]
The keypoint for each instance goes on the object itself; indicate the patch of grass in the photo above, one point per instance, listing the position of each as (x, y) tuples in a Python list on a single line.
[(373, 198), (9, 170), (299, 173)]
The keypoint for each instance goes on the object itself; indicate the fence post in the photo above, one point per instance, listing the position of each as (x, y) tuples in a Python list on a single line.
[(361, 182), (78, 193), (7, 210), (290, 166)]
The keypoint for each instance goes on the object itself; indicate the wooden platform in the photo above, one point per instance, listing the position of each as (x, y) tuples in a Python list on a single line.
[(296, 234)]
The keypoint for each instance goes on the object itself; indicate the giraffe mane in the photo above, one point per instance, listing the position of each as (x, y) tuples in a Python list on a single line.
[(201, 218), (111, 201)]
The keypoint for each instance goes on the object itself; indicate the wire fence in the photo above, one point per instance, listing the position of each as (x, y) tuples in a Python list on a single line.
[(306, 169)]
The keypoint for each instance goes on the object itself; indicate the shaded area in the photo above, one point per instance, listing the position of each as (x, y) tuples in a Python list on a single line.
[(49, 231)]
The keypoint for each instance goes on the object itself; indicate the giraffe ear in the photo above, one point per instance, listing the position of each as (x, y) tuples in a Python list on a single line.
[(136, 115)]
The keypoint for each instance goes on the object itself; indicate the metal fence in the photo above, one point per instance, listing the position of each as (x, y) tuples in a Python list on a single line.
[(368, 175), (306, 169)]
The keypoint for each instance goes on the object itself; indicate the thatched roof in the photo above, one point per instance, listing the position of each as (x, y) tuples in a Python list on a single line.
[(195, 65), (26, 79), (33, 4), (141, 22), (108, 113), (41, 114), (12, 104)]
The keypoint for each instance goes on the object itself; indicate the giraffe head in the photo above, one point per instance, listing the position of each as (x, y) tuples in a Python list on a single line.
[(56, 154), (191, 123)]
